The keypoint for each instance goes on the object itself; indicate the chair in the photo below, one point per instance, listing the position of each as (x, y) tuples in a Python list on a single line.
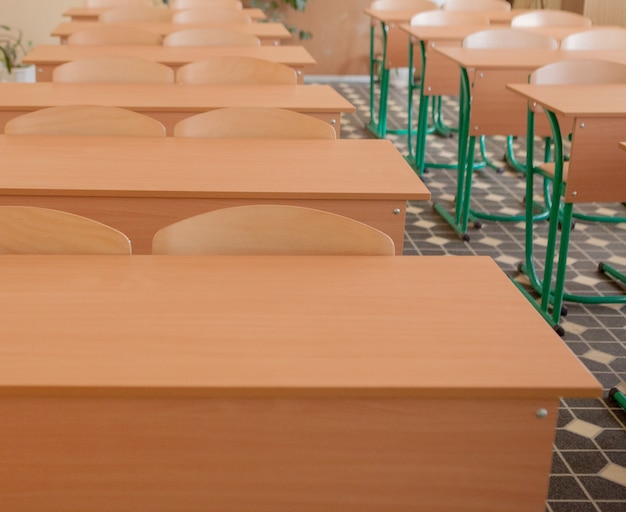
[(597, 39), (446, 76), (110, 69), (33, 230), (254, 122), (114, 35), (210, 36), (128, 13), (589, 176), (98, 4), (550, 18), (476, 5), (211, 15), (393, 53), (509, 38), (273, 230), (85, 120), (235, 70), (191, 4)]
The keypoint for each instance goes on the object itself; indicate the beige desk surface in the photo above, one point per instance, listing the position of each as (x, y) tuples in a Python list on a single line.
[(600, 100), (526, 58), (239, 326), (405, 15), (267, 32), (92, 13), (139, 185), (172, 102)]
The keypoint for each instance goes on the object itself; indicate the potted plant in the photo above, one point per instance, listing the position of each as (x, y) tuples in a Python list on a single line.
[(12, 50)]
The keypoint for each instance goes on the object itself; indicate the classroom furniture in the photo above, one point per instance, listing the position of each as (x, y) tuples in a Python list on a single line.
[(32, 230), (211, 36), (98, 4), (252, 123), (114, 35), (387, 15), (234, 69), (188, 4), (211, 15), (140, 184), (113, 69), (129, 13), (47, 57), (85, 120), (551, 18), (276, 383), (271, 229), (93, 13), (170, 103), (270, 33), (594, 115), (598, 39), (476, 5)]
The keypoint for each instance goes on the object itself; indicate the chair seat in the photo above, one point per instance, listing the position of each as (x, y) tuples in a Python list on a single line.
[(548, 170)]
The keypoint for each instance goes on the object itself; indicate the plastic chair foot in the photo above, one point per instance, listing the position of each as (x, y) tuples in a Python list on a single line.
[(559, 330)]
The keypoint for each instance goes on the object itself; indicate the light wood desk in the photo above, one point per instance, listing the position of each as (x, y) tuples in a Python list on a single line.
[(269, 33), (488, 108), (141, 184), (169, 103), (47, 57), (276, 384), (93, 13)]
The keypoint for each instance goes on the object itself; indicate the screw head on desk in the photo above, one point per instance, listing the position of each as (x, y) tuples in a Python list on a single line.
[(333, 121), (541, 413), (299, 72), (396, 211), (582, 125), (574, 193), (432, 44)]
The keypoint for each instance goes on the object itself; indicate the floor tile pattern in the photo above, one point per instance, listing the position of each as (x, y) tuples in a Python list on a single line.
[(589, 460)]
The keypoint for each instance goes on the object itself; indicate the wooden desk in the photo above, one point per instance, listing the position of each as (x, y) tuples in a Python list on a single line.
[(214, 383), (595, 115), (488, 108), (269, 33), (47, 57), (93, 13), (169, 103), (141, 184)]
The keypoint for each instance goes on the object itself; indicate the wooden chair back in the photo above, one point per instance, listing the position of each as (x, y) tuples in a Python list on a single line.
[(476, 5), (209, 14), (443, 18), (580, 71), (127, 13), (402, 5), (191, 4), (254, 122), (85, 120), (235, 70), (509, 38), (110, 69), (114, 35), (271, 229), (33, 230), (550, 18), (98, 4), (210, 36), (597, 39)]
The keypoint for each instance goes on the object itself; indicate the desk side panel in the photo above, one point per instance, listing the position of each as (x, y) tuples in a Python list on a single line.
[(127, 454)]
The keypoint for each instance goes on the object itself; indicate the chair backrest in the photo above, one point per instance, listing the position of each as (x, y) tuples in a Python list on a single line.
[(116, 3), (550, 18), (210, 36), (33, 230), (235, 70), (596, 39), (210, 14), (271, 229), (580, 71), (191, 4), (254, 122), (402, 5), (443, 18), (509, 38), (85, 120), (113, 35), (109, 69), (476, 5), (128, 13)]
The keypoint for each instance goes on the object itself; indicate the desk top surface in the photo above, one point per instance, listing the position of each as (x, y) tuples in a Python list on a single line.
[(225, 168), (522, 58), (270, 29), (255, 14), (588, 100), (171, 97), (405, 15), (59, 53), (434, 327)]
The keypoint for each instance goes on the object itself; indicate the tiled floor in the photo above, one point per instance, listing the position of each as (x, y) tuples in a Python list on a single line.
[(589, 467)]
